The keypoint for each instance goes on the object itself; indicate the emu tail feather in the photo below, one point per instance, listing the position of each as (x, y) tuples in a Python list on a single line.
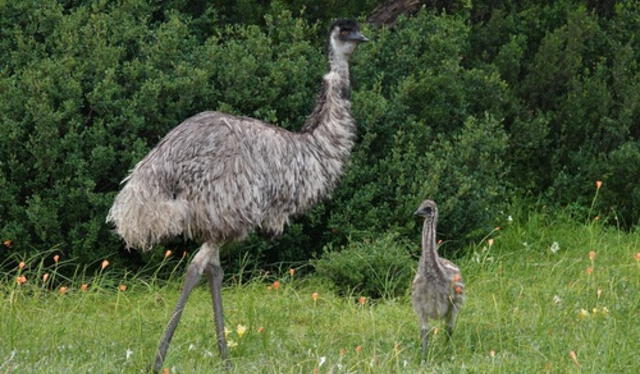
[(144, 216)]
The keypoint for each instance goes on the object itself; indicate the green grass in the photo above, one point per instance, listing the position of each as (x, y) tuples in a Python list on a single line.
[(509, 324)]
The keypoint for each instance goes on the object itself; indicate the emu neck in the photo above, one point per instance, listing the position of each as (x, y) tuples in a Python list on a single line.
[(429, 258), (330, 125)]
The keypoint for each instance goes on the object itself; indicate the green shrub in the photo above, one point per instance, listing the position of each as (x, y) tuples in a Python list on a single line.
[(378, 268)]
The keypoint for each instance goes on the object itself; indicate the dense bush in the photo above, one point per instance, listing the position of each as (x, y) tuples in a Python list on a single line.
[(378, 268), (533, 97)]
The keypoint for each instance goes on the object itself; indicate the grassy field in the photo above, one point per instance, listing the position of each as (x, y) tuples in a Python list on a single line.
[(532, 306)]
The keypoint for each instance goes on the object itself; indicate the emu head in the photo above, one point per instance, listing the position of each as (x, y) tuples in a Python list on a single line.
[(428, 209), (345, 36)]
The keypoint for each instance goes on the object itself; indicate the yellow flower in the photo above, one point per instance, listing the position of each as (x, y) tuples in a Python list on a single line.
[(583, 313), (490, 242), (241, 329), (604, 310), (232, 344), (226, 332), (292, 272), (592, 255), (104, 264), (574, 357), (492, 353), (315, 296)]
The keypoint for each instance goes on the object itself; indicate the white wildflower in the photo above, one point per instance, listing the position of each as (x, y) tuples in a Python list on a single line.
[(555, 247), (191, 347), (557, 299), (323, 359), (509, 219), (128, 353)]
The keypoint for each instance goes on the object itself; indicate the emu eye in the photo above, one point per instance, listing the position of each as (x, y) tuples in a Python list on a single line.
[(427, 210)]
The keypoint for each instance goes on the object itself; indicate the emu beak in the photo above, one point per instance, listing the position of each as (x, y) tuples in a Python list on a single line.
[(417, 213), (356, 36)]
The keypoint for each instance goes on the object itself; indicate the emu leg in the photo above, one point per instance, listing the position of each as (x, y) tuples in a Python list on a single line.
[(194, 272), (451, 322), (214, 275), (424, 337)]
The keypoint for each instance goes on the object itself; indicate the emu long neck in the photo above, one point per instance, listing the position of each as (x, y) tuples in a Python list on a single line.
[(429, 258), (330, 125)]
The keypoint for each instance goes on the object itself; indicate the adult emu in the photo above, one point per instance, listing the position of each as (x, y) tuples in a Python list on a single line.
[(217, 177)]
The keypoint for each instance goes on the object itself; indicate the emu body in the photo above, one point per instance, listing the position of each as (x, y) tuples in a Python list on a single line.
[(217, 177), (438, 290)]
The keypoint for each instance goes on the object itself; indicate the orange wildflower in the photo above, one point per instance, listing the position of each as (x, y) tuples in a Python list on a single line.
[(166, 371), (56, 258), (21, 279), (8, 243), (458, 290), (260, 330), (439, 241), (104, 264), (598, 185), (637, 256), (456, 278), (21, 265), (592, 255), (358, 348), (574, 357), (292, 272), (63, 290), (315, 296), (362, 300), (276, 285), (122, 287), (589, 270), (269, 288), (84, 287), (343, 351), (167, 253), (45, 276)]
